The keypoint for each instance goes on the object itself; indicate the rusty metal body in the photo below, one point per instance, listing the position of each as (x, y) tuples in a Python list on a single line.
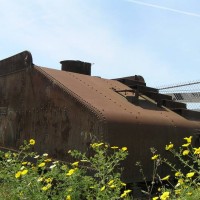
[(65, 110)]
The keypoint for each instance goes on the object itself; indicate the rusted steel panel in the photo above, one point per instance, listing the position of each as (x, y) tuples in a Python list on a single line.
[(16, 63)]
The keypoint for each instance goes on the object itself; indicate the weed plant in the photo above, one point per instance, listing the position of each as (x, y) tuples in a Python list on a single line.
[(183, 184), (28, 175)]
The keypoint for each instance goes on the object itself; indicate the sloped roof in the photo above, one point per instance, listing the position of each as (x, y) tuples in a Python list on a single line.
[(100, 95)]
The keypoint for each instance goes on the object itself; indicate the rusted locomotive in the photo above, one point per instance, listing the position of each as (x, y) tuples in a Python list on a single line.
[(67, 109)]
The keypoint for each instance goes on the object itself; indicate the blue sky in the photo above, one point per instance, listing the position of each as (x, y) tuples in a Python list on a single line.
[(158, 39)]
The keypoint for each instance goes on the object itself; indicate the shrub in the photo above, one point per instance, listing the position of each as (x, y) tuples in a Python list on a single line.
[(27, 175), (183, 184)]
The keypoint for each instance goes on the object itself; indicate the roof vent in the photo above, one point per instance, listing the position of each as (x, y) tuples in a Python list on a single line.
[(76, 66)]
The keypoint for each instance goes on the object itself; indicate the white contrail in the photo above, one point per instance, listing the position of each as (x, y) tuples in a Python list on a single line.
[(164, 8)]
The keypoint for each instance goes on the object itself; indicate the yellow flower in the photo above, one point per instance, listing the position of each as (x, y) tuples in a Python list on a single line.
[(123, 184), (165, 178), (178, 174), (186, 152), (70, 172), (114, 147), (188, 139), (47, 160), (164, 196), (7, 155), (168, 147), (75, 164), (24, 172), (68, 197), (41, 164), (40, 179), (103, 188), (48, 180), (24, 163), (181, 181), (18, 174), (154, 157), (124, 194), (112, 186), (45, 154), (186, 145), (110, 182), (189, 193), (155, 198), (94, 145), (177, 191), (31, 141), (197, 150), (124, 149), (190, 174), (46, 187), (99, 144)]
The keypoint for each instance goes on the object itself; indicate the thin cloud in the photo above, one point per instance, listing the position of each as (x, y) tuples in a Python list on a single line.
[(165, 8)]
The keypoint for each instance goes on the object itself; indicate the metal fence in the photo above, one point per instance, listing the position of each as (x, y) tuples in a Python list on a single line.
[(188, 93)]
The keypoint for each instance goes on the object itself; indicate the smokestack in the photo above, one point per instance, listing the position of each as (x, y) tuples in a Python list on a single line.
[(76, 66)]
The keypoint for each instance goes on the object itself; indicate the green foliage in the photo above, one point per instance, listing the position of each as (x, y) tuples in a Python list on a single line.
[(27, 175)]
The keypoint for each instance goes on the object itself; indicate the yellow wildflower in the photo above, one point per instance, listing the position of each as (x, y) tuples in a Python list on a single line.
[(123, 184), (40, 179), (181, 181), (68, 197), (7, 155), (99, 144), (46, 187), (177, 191), (103, 188), (165, 178), (186, 152), (112, 186), (41, 164), (155, 198), (168, 147), (197, 150), (178, 174), (154, 157), (189, 193), (110, 182), (24, 172), (70, 172), (188, 139), (125, 193), (164, 196), (18, 174), (45, 154), (31, 141), (94, 145), (47, 160), (24, 163), (186, 145), (124, 149), (75, 164), (190, 174), (114, 147), (48, 180)]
